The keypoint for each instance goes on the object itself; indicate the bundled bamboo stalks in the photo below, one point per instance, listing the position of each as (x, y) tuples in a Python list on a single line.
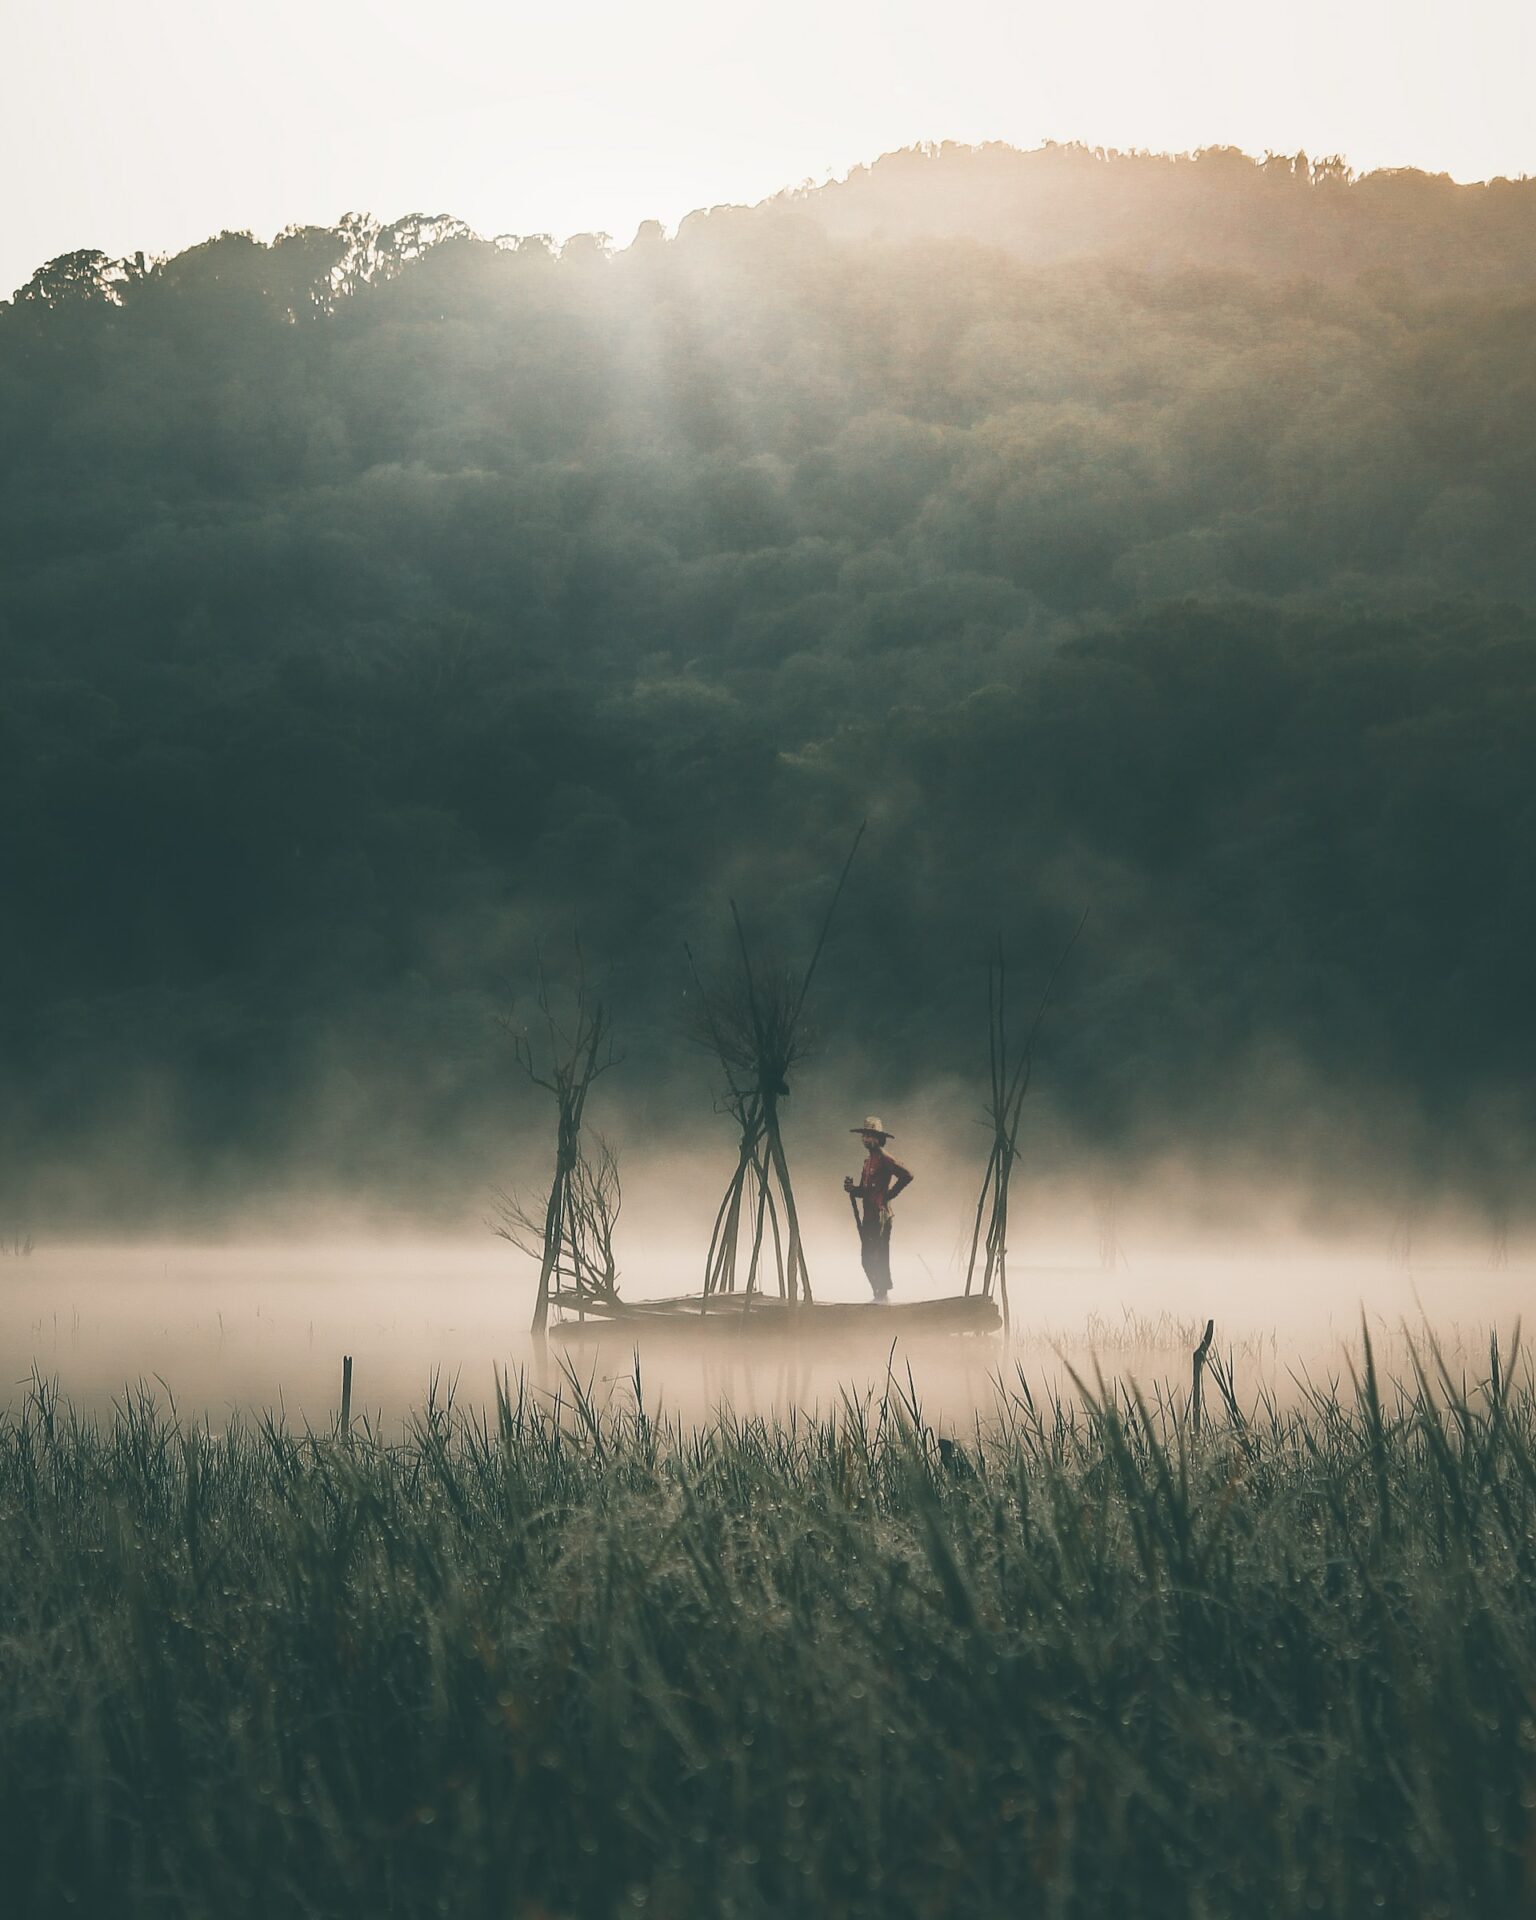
[(572, 1234), (987, 1269), (753, 1022), (750, 1193)]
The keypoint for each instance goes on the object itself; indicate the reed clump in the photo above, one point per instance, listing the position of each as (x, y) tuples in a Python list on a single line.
[(571, 1659)]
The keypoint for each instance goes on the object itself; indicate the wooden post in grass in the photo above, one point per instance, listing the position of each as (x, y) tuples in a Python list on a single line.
[(346, 1395), (1010, 1077), (1197, 1372), (753, 1023)]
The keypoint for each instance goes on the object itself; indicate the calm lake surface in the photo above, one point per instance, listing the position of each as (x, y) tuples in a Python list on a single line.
[(223, 1330)]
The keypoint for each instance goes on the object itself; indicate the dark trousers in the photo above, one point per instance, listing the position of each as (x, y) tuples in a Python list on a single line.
[(875, 1250)]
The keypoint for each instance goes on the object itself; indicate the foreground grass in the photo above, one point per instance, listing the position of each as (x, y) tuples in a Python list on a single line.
[(568, 1662)]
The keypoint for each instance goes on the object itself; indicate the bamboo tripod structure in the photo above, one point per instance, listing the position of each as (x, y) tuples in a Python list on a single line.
[(1010, 1078), (754, 1026), (575, 1244), (751, 1193)]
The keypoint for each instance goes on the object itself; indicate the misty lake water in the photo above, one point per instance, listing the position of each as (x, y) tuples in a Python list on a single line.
[(250, 1327)]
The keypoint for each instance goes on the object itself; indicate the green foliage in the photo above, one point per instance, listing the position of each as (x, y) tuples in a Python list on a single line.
[(377, 600), (573, 1660)]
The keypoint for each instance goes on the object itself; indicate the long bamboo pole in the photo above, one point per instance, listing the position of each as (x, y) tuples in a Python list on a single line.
[(799, 1273)]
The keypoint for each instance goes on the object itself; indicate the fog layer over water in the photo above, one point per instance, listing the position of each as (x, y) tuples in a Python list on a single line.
[(246, 1327)]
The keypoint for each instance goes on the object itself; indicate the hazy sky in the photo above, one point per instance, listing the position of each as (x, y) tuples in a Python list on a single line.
[(154, 124)]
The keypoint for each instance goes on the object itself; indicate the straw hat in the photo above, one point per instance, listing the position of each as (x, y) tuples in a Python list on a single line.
[(873, 1124)]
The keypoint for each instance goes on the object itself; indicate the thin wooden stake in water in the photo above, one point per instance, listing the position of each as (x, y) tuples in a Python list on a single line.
[(346, 1393), (1198, 1369)]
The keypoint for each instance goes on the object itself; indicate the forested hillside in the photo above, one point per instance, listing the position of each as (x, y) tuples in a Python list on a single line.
[(1284, 214), (380, 602)]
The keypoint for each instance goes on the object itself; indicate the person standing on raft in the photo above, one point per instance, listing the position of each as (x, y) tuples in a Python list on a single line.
[(880, 1180)]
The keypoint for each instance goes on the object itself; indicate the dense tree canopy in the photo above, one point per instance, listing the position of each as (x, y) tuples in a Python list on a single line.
[(381, 601)]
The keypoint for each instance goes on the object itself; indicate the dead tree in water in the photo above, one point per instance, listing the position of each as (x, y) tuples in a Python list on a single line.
[(753, 1022), (1010, 1077), (586, 1267), (574, 1242)]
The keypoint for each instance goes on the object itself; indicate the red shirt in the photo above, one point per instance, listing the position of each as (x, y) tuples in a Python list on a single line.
[(876, 1178)]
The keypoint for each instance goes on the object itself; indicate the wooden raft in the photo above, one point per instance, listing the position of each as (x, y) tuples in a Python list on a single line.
[(755, 1314)]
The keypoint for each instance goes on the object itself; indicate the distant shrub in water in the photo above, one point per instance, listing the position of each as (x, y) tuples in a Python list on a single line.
[(567, 1659)]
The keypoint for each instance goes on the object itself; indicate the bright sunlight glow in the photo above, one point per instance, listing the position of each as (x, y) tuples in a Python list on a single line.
[(155, 125)]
